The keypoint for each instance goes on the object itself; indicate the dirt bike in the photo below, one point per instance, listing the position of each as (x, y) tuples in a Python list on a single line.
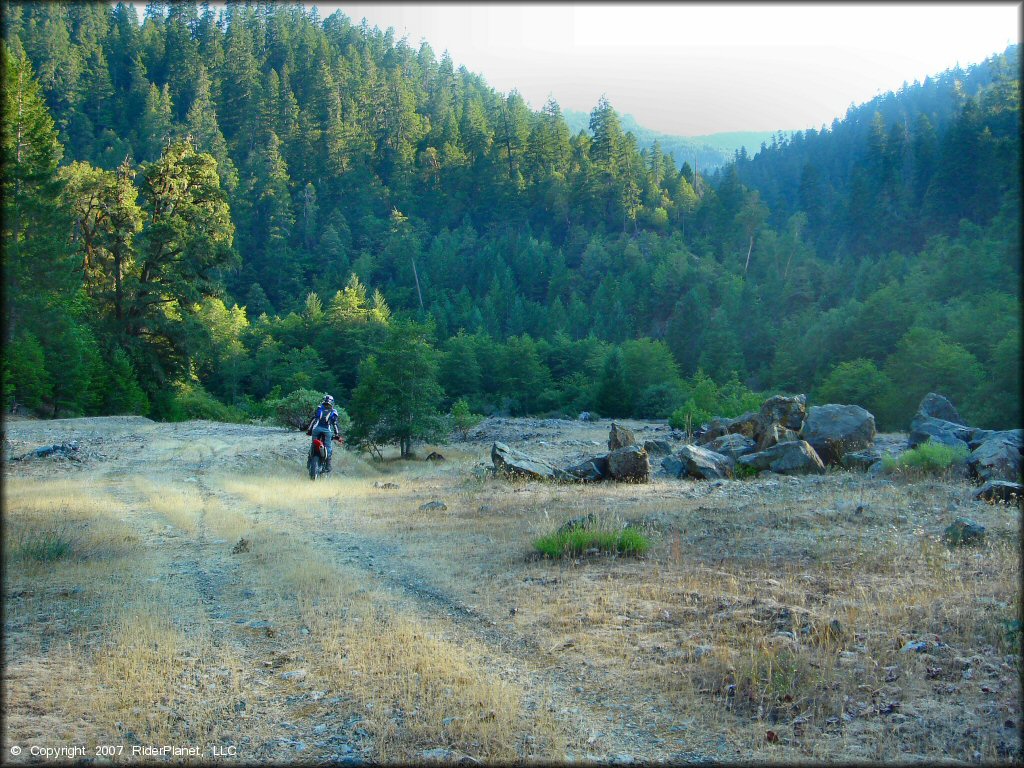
[(316, 461)]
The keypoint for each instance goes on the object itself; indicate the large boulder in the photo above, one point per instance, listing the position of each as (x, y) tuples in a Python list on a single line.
[(923, 428), (795, 458), (835, 430), (998, 458), (657, 447), (746, 425), (620, 437), (938, 407), (862, 460), (1001, 491), (734, 445), (788, 412), (704, 464), (673, 466), (590, 470), (775, 434), (629, 464), (513, 463)]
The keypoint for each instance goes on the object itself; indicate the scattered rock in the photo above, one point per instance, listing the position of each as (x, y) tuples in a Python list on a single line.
[(963, 532), (704, 464), (938, 407), (434, 456), (386, 486), (1001, 491), (295, 674), (620, 437), (629, 464), (241, 547), (434, 506), (915, 646), (834, 430), (796, 458)]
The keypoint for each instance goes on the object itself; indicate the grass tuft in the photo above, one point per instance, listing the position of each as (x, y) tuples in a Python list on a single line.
[(47, 545), (930, 458), (579, 540)]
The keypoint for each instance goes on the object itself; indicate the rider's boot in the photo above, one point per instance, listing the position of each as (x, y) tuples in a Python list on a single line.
[(327, 466)]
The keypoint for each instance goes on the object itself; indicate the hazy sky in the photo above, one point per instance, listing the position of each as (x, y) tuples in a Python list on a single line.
[(691, 69)]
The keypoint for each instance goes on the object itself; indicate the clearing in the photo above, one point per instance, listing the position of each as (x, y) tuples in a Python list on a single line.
[(186, 585)]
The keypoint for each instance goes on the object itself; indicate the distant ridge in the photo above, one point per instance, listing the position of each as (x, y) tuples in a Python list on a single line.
[(710, 151)]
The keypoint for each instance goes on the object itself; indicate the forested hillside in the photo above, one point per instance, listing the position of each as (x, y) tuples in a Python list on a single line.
[(204, 211)]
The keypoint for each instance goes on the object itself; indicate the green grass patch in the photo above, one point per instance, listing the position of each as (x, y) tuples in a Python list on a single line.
[(744, 471), (44, 546), (930, 458), (580, 540)]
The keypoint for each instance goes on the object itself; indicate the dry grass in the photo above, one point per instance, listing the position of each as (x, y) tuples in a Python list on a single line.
[(765, 623), (418, 689)]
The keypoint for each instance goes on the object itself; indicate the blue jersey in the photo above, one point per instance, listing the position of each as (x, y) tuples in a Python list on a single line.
[(325, 418)]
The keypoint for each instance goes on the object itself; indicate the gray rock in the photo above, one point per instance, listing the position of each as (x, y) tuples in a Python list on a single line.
[(704, 464), (631, 464), (673, 466), (788, 412), (834, 430), (508, 461), (589, 471), (296, 674), (963, 531), (657, 447), (998, 458), (938, 407), (979, 436), (861, 460), (732, 445), (1001, 490), (774, 434), (748, 425), (620, 437), (432, 506), (796, 458), (946, 432)]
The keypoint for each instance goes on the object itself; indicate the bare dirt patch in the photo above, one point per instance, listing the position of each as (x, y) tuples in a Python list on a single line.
[(770, 621)]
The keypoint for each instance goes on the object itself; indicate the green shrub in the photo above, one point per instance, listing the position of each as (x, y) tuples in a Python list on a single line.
[(297, 407), (44, 546), (576, 541), (928, 458), (191, 401), (463, 419), (744, 471)]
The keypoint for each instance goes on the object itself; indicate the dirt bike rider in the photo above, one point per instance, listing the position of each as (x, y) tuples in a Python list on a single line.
[(325, 423)]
